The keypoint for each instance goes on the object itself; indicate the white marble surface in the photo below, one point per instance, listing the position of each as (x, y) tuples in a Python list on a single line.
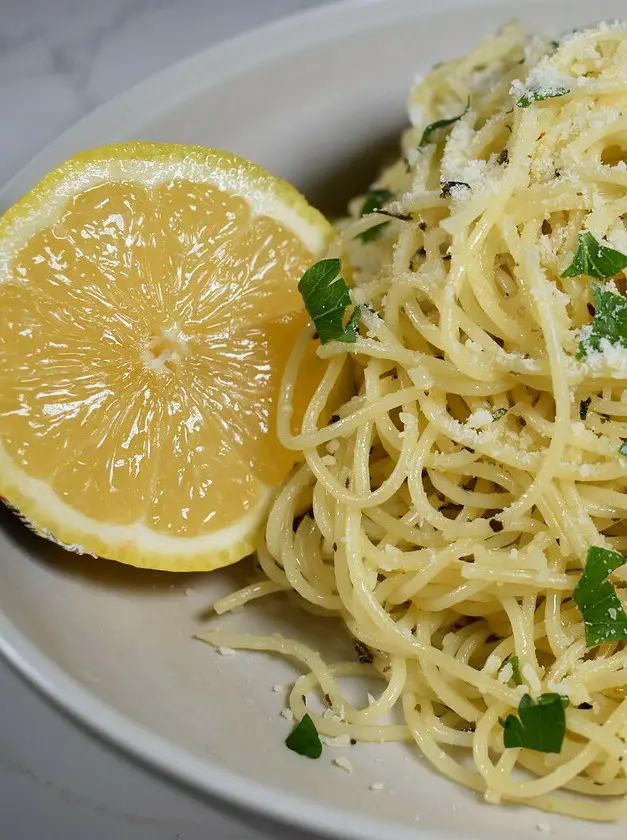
[(58, 60), (61, 58)]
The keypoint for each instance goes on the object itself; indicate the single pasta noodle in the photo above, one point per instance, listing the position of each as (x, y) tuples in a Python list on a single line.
[(445, 508)]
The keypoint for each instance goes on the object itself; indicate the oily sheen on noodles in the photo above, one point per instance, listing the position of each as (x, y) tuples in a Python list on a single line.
[(446, 509)]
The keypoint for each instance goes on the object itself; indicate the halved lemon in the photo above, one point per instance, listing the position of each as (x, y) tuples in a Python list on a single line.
[(148, 303)]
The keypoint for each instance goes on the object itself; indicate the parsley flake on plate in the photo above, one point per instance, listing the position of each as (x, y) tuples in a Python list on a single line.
[(603, 613), (435, 126), (375, 199), (304, 739), (538, 94), (540, 724), (327, 298), (610, 321), (595, 259)]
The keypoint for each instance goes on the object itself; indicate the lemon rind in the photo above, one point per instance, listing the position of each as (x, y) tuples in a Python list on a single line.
[(266, 194), (134, 544)]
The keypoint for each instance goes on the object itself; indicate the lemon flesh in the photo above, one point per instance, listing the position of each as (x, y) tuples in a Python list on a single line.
[(148, 303)]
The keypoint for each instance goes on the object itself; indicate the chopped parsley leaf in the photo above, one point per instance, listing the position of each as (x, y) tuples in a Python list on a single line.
[(538, 94), (610, 322), (595, 259), (603, 613), (435, 126), (375, 199), (327, 298), (304, 739), (516, 675), (498, 413), (540, 725)]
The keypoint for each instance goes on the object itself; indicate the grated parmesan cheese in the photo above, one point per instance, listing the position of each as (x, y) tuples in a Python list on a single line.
[(492, 664), (343, 740), (610, 356), (344, 763), (506, 673), (479, 419), (559, 688), (531, 678)]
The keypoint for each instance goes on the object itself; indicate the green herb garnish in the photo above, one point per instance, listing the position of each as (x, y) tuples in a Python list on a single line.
[(497, 413), (603, 613), (537, 94), (595, 259), (327, 298), (610, 321), (304, 739), (516, 675), (435, 126), (540, 725), (376, 198)]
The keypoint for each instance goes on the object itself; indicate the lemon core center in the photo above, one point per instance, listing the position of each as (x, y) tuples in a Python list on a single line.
[(166, 349)]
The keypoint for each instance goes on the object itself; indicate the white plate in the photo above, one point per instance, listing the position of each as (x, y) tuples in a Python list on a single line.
[(314, 98)]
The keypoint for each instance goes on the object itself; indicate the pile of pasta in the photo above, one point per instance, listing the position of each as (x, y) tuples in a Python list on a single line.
[(447, 506)]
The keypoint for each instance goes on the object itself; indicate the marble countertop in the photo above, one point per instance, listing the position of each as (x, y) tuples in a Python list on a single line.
[(58, 60)]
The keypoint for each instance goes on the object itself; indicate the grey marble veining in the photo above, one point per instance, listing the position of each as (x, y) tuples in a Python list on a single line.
[(61, 58)]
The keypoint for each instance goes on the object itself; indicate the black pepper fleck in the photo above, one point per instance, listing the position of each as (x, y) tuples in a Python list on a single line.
[(584, 405), (447, 186), (364, 654)]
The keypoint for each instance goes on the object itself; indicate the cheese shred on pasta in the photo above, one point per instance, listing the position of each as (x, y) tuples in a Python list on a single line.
[(445, 510)]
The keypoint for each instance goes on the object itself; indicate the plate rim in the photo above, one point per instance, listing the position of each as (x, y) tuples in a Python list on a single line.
[(77, 703)]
